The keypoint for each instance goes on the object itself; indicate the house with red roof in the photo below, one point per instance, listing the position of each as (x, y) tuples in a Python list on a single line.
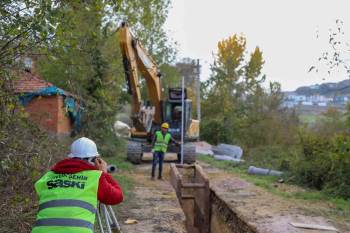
[(53, 109)]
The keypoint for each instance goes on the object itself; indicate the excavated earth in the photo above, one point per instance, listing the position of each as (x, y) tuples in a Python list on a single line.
[(243, 207)]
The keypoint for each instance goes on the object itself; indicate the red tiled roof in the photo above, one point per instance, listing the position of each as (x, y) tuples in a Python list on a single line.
[(28, 82)]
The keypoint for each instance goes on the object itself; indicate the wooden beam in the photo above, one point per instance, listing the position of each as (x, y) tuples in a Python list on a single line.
[(313, 226)]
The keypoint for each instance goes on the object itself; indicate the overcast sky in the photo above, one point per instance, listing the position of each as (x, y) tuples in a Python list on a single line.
[(285, 30)]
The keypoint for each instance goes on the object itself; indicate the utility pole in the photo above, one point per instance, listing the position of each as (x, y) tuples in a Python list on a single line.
[(198, 91), (182, 117)]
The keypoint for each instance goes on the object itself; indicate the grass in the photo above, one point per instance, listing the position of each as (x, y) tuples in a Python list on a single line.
[(241, 170), (126, 183), (309, 118), (341, 206)]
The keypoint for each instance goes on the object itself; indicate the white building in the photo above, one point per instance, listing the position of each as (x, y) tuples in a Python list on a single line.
[(307, 103), (322, 104)]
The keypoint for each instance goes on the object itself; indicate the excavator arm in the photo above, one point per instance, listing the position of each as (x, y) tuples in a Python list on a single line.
[(146, 118), (136, 59)]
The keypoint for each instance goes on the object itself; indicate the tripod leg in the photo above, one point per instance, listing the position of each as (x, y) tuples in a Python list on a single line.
[(105, 213), (114, 218), (109, 217), (99, 221)]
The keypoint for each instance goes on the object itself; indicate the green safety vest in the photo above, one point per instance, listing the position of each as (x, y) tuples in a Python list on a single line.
[(161, 143), (67, 202)]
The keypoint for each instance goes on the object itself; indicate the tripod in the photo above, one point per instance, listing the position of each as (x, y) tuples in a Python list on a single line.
[(106, 212)]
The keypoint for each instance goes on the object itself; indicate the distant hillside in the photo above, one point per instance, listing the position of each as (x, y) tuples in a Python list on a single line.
[(326, 89)]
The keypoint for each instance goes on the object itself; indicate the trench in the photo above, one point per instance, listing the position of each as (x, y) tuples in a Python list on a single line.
[(225, 219), (205, 211)]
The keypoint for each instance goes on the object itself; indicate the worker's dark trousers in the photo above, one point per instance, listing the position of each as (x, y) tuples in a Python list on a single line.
[(157, 157)]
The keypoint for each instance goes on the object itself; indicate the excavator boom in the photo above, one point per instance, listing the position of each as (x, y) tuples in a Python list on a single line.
[(136, 59)]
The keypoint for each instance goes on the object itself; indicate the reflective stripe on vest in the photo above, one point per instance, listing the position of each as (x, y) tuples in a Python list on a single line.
[(161, 143), (65, 222), (67, 202)]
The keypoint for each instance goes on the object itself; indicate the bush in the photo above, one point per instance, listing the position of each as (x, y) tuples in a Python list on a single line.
[(272, 157), (26, 153), (214, 131), (108, 143), (324, 164)]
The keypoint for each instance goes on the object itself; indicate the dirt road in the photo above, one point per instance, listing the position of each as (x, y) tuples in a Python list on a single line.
[(153, 204)]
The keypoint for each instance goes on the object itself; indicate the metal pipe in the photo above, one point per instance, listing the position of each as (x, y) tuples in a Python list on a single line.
[(262, 171)]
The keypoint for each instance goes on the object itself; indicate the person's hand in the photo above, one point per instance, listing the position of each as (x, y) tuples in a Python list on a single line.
[(101, 164)]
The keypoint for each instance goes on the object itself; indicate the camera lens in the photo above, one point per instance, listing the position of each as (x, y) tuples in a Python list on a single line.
[(111, 168)]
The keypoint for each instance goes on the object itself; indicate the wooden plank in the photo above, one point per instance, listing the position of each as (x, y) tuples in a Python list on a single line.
[(187, 197), (193, 185), (313, 226), (185, 166)]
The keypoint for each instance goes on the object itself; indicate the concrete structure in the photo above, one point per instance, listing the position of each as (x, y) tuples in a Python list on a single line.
[(205, 211), (192, 189)]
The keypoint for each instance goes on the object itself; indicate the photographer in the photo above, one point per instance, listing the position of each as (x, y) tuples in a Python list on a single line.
[(69, 193)]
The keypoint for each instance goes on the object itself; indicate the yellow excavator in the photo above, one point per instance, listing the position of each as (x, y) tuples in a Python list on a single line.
[(147, 116)]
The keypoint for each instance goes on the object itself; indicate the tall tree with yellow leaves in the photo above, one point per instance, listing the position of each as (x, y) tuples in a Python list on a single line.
[(232, 79), (236, 107)]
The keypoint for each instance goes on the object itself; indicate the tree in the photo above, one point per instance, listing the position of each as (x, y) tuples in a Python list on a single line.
[(79, 61), (170, 76), (78, 51), (336, 56), (236, 108), (25, 24), (227, 88), (189, 69), (147, 18), (85, 57)]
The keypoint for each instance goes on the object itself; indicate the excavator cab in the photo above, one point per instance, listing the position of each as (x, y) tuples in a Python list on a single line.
[(172, 112)]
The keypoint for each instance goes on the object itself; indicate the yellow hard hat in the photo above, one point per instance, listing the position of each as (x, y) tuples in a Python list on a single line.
[(165, 125)]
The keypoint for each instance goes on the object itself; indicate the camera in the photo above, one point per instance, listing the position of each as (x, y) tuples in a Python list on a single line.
[(112, 168)]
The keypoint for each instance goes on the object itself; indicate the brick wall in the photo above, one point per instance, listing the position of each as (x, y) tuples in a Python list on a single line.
[(49, 113), (64, 125)]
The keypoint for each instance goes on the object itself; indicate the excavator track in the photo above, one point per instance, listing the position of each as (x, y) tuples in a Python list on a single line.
[(189, 153), (134, 152)]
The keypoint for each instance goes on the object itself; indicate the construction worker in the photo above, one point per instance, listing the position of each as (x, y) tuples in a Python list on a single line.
[(160, 143), (68, 194)]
